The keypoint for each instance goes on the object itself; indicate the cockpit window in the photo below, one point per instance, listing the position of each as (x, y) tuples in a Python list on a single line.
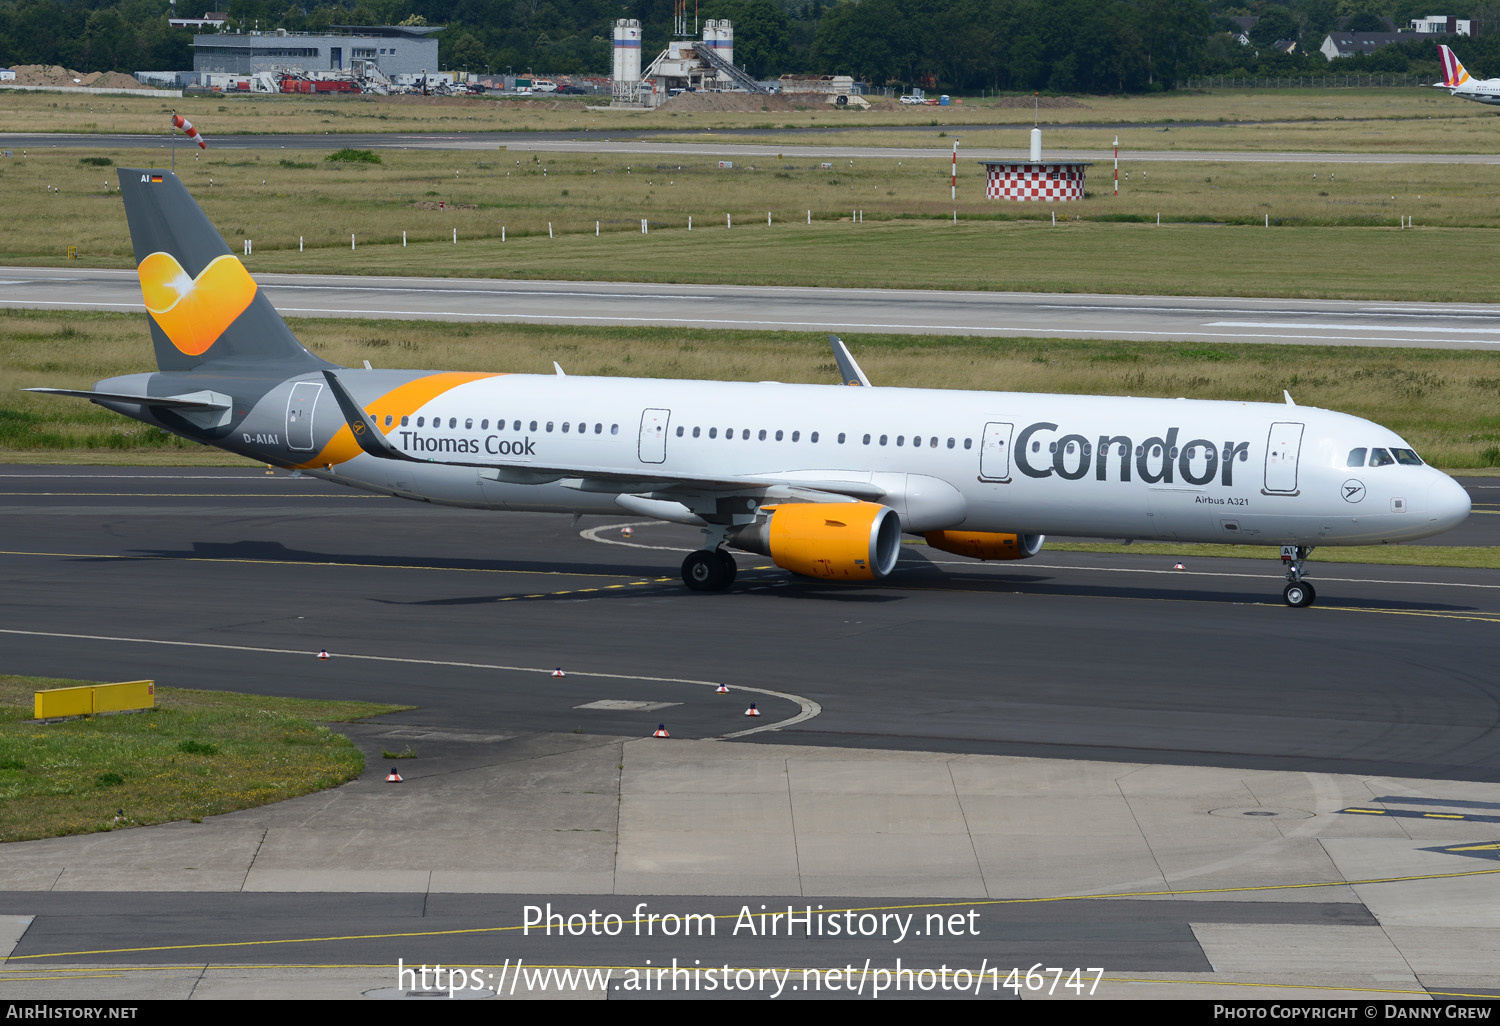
[(1356, 457), (1380, 458), (1407, 458)]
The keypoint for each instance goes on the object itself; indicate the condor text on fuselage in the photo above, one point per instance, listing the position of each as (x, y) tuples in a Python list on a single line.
[(1198, 462)]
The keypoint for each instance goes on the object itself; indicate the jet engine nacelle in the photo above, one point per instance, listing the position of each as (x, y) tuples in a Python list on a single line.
[(847, 541), (982, 545)]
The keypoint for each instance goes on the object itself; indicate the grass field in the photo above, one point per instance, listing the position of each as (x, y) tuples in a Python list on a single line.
[(1443, 115), (1328, 238), (199, 753), (1445, 402)]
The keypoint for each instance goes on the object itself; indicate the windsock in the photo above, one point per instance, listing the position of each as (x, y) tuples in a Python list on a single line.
[(178, 121)]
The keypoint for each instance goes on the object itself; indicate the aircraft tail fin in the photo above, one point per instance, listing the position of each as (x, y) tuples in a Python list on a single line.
[(1454, 74), (204, 306)]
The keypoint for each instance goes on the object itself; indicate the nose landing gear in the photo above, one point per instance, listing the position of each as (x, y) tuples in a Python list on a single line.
[(1298, 593)]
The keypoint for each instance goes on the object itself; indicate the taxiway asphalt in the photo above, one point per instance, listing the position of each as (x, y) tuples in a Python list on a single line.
[(1092, 761)]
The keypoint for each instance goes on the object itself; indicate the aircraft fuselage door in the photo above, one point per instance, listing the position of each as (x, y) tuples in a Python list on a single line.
[(299, 415), (994, 451), (1283, 446), (653, 446)]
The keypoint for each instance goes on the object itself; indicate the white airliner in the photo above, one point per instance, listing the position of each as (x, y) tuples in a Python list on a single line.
[(823, 479), (1458, 82)]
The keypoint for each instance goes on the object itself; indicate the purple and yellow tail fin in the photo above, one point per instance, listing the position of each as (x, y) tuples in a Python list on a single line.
[(1454, 74)]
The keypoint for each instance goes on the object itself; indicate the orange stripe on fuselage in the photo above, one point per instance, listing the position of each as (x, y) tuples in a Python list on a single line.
[(402, 401)]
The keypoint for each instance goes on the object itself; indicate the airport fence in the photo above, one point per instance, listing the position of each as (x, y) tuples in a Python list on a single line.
[(1373, 81)]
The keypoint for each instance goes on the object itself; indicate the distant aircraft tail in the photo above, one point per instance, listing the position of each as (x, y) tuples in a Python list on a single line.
[(204, 306), (1454, 74)]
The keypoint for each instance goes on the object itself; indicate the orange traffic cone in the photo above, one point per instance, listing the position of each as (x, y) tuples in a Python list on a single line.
[(752, 711), (393, 777), (660, 731)]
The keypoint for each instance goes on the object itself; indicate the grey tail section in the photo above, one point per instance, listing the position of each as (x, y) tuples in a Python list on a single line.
[(164, 219)]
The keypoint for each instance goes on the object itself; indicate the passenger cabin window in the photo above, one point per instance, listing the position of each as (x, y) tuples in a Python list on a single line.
[(1356, 458)]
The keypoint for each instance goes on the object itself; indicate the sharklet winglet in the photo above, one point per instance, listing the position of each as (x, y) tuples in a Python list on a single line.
[(366, 433)]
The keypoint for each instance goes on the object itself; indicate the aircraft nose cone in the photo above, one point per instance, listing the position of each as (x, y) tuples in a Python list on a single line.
[(1447, 502)]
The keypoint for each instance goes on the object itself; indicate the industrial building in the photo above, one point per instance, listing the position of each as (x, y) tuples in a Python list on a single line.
[(392, 49), (686, 65)]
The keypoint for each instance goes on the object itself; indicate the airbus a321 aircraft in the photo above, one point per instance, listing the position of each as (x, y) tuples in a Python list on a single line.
[(1459, 83), (822, 479)]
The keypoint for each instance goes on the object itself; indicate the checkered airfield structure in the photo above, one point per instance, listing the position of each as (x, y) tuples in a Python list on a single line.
[(1047, 182)]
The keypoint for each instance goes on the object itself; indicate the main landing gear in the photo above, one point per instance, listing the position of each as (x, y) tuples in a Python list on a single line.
[(709, 570), (1298, 593)]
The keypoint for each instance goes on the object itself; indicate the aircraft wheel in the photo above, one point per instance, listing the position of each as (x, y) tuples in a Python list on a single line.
[(704, 571), (1299, 595), (730, 567)]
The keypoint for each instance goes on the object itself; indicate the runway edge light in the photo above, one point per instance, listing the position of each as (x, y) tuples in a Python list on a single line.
[(752, 711), (558, 672), (660, 731), (722, 689), (393, 777), (322, 653)]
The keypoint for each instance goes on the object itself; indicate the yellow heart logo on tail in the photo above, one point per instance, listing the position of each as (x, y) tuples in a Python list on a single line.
[(194, 312)]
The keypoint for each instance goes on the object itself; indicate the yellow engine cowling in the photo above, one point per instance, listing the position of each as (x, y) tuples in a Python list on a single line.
[(983, 545), (846, 541)]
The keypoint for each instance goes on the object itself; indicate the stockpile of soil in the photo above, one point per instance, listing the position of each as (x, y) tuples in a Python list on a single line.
[(1045, 102), (56, 75), (728, 103)]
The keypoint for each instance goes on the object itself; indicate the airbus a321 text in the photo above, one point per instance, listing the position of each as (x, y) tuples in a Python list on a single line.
[(823, 479)]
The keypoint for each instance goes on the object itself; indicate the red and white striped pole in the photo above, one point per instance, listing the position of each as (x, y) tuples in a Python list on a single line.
[(1117, 165), (955, 170)]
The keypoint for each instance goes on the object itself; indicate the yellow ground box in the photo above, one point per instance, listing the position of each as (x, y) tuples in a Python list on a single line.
[(95, 698)]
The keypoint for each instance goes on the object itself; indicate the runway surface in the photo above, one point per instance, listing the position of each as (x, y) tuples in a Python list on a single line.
[(235, 579), (732, 144), (838, 311)]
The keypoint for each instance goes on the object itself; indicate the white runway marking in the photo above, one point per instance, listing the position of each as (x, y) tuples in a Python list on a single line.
[(808, 708), (1350, 327)]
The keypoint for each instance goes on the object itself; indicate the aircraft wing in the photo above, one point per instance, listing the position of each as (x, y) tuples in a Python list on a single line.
[(602, 479), (849, 370)]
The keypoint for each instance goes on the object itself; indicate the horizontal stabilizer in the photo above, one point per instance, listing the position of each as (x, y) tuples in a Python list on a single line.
[(169, 402)]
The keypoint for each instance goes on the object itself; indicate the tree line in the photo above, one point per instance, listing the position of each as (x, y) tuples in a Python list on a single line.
[(1092, 46)]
